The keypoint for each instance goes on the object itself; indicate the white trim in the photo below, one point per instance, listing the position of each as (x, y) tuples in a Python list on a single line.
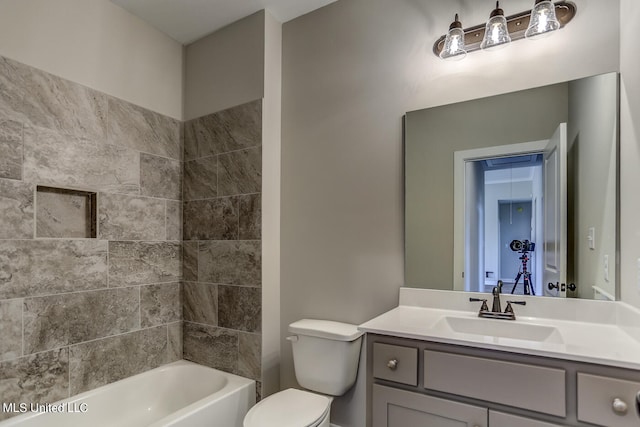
[(601, 294), (459, 160)]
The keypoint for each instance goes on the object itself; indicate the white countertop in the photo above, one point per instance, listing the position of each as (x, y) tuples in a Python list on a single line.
[(605, 333)]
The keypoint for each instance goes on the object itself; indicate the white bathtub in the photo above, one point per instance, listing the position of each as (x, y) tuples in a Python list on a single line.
[(181, 394)]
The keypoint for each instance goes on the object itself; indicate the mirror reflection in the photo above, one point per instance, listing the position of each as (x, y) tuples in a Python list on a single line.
[(519, 188)]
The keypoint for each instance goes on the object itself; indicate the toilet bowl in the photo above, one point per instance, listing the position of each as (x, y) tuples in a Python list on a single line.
[(325, 357), (290, 408)]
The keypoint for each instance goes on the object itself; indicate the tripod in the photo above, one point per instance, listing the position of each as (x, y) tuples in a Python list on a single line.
[(528, 289)]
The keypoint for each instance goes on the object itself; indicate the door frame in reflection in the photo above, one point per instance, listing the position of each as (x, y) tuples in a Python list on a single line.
[(461, 158)]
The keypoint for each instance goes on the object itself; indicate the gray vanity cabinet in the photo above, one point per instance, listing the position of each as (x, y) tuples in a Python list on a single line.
[(500, 419), (416, 383), (400, 408)]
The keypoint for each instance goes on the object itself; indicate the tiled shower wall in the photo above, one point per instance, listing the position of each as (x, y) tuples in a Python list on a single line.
[(222, 240), (77, 313)]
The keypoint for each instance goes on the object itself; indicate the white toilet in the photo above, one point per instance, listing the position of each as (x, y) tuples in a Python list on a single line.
[(325, 356)]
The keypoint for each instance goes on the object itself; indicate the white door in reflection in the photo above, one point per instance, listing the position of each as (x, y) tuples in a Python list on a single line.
[(555, 213)]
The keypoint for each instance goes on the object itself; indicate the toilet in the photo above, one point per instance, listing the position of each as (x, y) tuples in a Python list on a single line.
[(325, 357)]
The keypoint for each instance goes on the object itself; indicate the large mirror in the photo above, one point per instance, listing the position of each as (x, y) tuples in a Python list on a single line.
[(519, 188)]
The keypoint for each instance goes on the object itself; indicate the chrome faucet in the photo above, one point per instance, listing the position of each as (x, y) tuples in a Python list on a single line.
[(496, 308)]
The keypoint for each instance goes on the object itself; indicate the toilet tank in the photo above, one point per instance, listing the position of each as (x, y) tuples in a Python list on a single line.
[(325, 355)]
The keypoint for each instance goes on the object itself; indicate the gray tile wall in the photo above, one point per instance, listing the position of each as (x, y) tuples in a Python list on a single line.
[(222, 249), (79, 313)]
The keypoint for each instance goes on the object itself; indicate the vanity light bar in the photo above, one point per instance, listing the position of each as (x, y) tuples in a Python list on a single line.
[(517, 25)]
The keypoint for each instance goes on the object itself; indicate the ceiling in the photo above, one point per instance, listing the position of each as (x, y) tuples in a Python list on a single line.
[(189, 20)]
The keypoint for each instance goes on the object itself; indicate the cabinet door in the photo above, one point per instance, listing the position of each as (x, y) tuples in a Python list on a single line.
[(400, 408), (499, 419), (598, 397)]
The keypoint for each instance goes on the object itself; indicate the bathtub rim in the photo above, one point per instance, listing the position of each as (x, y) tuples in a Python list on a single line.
[(234, 384)]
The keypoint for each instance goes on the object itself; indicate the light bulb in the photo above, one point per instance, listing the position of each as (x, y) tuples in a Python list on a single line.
[(454, 48), (496, 32), (543, 19)]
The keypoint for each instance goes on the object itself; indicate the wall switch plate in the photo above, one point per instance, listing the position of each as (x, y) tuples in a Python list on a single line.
[(591, 237), (606, 268)]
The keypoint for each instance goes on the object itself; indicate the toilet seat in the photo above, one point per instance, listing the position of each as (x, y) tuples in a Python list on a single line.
[(289, 408)]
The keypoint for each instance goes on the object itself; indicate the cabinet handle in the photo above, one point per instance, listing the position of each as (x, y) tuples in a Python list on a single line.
[(619, 406), (392, 364)]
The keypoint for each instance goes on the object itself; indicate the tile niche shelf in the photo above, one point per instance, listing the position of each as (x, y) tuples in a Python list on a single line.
[(64, 213)]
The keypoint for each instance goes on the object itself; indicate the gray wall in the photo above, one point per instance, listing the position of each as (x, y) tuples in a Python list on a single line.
[(98, 44), (78, 313), (431, 139), (494, 193), (225, 68), (238, 120), (222, 240), (271, 167), (592, 148), (350, 72), (629, 152)]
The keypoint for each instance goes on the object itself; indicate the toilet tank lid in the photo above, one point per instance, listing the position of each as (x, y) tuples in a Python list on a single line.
[(326, 329)]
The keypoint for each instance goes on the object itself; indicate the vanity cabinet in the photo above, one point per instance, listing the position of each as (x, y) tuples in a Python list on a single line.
[(396, 363), (500, 419), (497, 380), (400, 408), (419, 383), (608, 401)]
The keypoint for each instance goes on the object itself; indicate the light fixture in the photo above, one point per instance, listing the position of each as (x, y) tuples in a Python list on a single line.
[(496, 32), (543, 19), (530, 23), (454, 42)]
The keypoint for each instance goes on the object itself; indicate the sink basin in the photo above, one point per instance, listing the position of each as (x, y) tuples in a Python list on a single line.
[(500, 328)]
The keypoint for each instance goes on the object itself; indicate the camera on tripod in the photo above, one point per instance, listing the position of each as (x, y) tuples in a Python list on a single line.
[(522, 246)]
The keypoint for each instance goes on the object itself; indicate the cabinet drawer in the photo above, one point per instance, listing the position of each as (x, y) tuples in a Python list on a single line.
[(395, 363), (500, 419), (536, 388), (596, 396)]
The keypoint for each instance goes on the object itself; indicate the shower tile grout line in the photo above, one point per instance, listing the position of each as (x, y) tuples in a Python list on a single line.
[(178, 280), (208, 156), (22, 308), (140, 306), (226, 196), (225, 328), (69, 371), (133, 331)]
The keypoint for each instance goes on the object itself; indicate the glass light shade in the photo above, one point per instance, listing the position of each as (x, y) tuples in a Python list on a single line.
[(496, 32), (543, 20), (454, 48)]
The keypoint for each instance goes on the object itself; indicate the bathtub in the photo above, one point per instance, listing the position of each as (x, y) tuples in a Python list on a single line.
[(180, 394)]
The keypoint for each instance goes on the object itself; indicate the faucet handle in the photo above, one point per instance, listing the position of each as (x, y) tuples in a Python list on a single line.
[(484, 306), (509, 309)]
